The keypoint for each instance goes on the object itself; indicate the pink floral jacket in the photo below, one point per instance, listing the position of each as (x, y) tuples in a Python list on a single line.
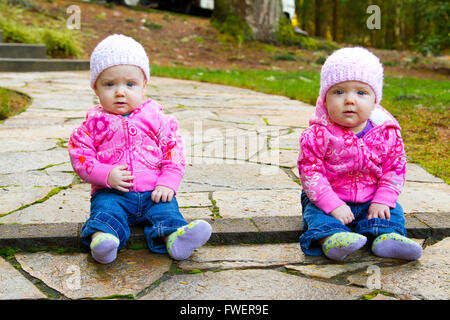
[(147, 141), (336, 167)]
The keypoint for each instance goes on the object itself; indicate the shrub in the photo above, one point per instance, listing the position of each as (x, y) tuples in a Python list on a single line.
[(285, 57), (286, 34), (59, 43), (13, 32), (152, 25), (309, 43), (26, 4), (235, 27)]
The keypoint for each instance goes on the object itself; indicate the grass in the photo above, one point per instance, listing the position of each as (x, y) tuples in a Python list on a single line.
[(12, 103), (421, 106), (422, 109), (275, 82)]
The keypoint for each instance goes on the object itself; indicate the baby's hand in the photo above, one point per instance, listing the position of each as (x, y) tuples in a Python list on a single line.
[(378, 210), (163, 194), (118, 178), (343, 213)]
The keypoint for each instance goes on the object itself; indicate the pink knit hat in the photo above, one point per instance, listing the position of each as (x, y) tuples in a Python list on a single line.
[(352, 64), (115, 50)]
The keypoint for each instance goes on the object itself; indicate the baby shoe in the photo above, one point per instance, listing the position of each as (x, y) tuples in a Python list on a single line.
[(104, 247), (181, 243), (394, 245)]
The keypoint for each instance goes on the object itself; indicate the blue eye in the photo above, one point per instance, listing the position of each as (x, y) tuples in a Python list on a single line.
[(109, 84), (130, 84), (361, 92), (339, 92)]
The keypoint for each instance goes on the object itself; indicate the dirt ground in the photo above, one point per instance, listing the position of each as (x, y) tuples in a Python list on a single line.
[(181, 40)]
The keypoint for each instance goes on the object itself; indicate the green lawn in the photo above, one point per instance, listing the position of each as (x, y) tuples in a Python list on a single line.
[(421, 106), (12, 103)]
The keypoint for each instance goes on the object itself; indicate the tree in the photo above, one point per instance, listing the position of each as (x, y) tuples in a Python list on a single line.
[(318, 18), (335, 19), (261, 16)]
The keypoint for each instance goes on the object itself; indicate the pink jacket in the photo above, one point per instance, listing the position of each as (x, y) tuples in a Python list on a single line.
[(337, 167), (147, 141)]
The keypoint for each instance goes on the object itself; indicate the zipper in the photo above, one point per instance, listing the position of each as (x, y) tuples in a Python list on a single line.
[(127, 148), (359, 146)]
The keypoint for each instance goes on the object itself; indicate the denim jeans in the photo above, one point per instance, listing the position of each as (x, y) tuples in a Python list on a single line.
[(317, 224), (113, 211)]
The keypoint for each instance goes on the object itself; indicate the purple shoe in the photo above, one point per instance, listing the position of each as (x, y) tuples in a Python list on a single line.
[(394, 245)]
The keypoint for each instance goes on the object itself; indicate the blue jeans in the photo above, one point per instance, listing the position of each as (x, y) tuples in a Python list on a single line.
[(317, 224), (113, 211)]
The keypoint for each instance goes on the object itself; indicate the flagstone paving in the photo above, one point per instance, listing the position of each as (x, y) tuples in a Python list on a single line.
[(241, 176)]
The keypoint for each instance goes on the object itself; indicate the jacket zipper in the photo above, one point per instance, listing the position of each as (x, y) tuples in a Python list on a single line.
[(127, 148), (359, 146)]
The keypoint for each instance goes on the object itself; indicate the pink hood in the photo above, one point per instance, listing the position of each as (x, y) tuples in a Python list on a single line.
[(336, 167), (147, 141)]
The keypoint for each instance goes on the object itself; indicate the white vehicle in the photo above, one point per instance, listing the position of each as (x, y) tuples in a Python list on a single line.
[(131, 3), (202, 4), (205, 4), (188, 5), (289, 8), (179, 5)]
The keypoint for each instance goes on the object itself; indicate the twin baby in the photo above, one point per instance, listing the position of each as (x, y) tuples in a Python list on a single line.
[(351, 162)]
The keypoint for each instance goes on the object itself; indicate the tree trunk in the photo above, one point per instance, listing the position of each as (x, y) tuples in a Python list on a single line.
[(372, 32), (397, 40), (261, 16), (335, 20), (318, 18)]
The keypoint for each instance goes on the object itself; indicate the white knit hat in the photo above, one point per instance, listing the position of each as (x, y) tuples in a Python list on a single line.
[(352, 64), (115, 50)]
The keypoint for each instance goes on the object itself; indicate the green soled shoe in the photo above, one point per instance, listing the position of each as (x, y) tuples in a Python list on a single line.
[(181, 243), (104, 248), (341, 244), (394, 245)]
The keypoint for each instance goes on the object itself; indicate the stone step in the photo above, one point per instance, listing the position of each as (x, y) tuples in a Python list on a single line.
[(23, 50), (257, 230), (247, 272), (39, 65)]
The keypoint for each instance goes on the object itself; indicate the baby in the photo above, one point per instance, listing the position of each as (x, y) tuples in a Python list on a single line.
[(352, 164), (133, 156)]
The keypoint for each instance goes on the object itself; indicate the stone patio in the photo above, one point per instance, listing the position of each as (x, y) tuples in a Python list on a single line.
[(242, 148)]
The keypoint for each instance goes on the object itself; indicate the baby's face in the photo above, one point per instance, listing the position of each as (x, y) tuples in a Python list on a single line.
[(121, 89), (349, 104)]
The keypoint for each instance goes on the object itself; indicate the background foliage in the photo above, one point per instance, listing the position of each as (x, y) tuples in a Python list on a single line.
[(420, 25)]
